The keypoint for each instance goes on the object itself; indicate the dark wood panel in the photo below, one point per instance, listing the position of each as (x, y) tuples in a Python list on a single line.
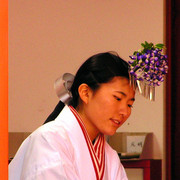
[(173, 90), (152, 168), (168, 90)]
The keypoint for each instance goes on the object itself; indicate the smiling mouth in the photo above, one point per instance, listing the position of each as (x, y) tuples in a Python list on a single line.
[(116, 121)]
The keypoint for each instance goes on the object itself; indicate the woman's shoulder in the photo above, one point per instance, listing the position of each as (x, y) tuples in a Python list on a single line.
[(50, 133), (57, 127)]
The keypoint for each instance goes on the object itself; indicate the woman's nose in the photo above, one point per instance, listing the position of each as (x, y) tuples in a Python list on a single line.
[(123, 109)]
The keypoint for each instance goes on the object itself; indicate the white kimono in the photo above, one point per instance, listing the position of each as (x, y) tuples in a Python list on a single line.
[(58, 151)]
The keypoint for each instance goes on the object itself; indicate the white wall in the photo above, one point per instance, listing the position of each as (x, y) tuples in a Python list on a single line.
[(48, 38)]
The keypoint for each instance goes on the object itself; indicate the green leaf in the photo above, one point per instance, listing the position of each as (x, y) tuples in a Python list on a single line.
[(159, 46), (142, 44), (147, 46)]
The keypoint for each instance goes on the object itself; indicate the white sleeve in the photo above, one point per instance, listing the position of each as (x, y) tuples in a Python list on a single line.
[(54, 171), (47, 157)]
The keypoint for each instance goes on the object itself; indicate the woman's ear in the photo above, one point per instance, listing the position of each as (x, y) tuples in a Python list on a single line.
[(84, 92)]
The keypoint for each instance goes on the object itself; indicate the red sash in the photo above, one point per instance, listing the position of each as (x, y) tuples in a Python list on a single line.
[(96, 151)]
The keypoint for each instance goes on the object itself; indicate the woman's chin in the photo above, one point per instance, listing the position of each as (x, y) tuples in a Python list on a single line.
[(110, 133)]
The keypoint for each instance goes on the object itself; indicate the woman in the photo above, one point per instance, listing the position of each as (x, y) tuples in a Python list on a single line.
[(73, 147)]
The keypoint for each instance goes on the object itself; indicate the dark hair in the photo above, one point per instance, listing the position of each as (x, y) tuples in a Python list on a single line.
[(97, 69)]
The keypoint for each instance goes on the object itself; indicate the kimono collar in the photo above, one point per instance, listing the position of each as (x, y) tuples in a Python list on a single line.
[(96, 150)]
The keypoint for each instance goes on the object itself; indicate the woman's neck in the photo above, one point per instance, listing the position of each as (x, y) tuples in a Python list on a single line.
[(92, 131)]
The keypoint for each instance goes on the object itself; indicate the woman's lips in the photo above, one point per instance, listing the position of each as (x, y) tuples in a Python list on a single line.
[(117, 122)]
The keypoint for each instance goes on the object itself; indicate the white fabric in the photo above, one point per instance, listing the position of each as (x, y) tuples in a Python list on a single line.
[(58, 151)]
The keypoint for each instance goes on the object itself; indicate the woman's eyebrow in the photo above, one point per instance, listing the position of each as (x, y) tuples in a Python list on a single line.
[(120, 92)]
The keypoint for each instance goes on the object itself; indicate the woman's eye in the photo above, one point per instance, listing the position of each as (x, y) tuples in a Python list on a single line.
[(117, 98), (129, 105)]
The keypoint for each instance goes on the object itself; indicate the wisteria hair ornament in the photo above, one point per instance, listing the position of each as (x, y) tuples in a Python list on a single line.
[(148, 67)]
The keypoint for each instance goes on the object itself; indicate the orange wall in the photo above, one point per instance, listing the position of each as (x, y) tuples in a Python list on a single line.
[(4, 89)]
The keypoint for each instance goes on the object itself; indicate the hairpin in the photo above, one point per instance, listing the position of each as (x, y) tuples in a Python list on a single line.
[(148, 67)]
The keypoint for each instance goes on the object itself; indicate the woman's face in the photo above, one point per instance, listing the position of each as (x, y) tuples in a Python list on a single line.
[(107, 108)]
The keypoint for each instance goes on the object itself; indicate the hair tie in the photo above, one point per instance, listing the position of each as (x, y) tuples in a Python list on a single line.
[(62, 87)]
